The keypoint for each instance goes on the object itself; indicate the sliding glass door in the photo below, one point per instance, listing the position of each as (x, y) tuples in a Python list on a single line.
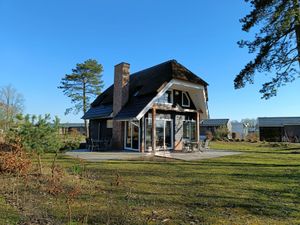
[(132, 135), (164, 134)]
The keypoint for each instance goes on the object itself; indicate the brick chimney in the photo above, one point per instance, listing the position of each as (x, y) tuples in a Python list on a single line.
[(121, 94)]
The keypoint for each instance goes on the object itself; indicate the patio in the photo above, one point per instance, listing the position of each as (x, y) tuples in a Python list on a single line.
[(103, 156)]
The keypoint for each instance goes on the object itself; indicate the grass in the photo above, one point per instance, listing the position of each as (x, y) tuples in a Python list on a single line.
[(8, 214), (260, 186)]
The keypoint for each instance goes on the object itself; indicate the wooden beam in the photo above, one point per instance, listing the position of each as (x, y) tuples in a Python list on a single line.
[(153, 129), (142, 135), (198, 126), (171, 108)]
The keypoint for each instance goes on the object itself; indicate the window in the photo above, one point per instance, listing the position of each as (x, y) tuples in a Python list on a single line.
[(132, 135), (164, 134), (109, 124), (185, 99), (166, 98), (189, 130)]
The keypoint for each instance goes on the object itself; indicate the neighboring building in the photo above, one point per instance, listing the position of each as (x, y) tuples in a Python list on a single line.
[(239, 130), (286, 129), (157, 108), (66, 128), (211, 125)]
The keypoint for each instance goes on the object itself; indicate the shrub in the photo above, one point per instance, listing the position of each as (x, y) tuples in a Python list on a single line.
[(71, 141), (13, 159), (221, 133), (208, 135), (252, 137), (37, 135)]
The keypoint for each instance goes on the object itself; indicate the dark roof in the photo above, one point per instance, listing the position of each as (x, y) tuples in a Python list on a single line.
[(214, 122), (278, 121), (102, 111), (144, 85)]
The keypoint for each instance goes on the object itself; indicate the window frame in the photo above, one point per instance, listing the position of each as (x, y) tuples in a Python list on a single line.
[(187, 97), (166, 103), (109, 122), (131, 124), (189, 122)]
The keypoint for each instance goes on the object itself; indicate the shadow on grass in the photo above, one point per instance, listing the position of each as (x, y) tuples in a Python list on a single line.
[(255, 206)]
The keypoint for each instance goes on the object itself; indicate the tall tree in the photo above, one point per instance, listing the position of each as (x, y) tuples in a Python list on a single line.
[(11, 104), (84, 82), (276, 44)]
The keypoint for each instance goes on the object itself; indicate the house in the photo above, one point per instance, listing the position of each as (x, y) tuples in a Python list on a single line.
[(158, 108), (66, 128), (285, 129), (239, 130), (212, 125)]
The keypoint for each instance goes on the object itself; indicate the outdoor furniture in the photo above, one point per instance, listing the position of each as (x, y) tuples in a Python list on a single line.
[(105, 144), (191, 146), (205, 144), (92, 144), (97, 145)]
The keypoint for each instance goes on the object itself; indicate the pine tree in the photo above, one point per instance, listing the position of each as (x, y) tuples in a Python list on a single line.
[(277, 44), (84, 82)]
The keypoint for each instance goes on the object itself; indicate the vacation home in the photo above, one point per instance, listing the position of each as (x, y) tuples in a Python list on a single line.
[(158, 108), (285, 129)]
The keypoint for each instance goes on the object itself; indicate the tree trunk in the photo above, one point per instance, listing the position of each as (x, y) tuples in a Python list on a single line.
[(53, 164), (40, 164), (85, 107)]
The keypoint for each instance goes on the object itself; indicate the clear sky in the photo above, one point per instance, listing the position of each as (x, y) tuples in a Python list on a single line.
[(40, 41)]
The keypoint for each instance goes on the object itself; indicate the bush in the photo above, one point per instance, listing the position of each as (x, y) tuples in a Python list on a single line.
[(13, 159), (37, 135), (253, 137), (71, 141), (221, 133)]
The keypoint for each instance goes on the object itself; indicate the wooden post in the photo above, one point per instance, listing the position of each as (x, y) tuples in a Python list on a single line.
[(198, 126), (153, 129), (142, 135)]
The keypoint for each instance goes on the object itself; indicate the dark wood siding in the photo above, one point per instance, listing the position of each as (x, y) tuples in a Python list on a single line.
[(98, 129), (270, 133), (177, 96)]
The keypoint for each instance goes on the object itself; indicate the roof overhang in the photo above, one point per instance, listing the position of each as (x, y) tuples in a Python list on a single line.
[(196, 91)]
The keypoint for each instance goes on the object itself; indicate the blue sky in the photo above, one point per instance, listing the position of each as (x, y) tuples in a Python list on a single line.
[(40, 41)]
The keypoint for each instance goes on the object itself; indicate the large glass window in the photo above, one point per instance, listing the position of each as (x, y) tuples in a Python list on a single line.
[(148, 134), (166, 98), (132, 135), (164, 134), (189, 130)]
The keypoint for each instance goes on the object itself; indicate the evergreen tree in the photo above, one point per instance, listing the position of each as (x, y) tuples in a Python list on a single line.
[(277, 43), (84, 82), (38, 135)]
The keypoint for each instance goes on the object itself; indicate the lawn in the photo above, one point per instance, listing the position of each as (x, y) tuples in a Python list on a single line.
[(260, 186)]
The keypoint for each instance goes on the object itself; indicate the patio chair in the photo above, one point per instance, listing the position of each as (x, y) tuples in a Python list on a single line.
[(88, 143), (196, 146), (205, 144), (187, 147), (94, 145), (108, 143)]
